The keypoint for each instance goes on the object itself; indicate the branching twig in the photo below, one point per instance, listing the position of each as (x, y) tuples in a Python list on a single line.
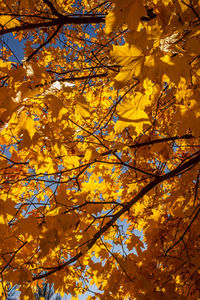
[(192, 162)]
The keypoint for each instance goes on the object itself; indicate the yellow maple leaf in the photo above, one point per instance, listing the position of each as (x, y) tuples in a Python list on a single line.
[(128, 12), (188, 118), (91, 154), (9, 21), (130, 115), (131, 60), (82, 107), (111, 21), (29, 125), (135, 242), (163, 149)]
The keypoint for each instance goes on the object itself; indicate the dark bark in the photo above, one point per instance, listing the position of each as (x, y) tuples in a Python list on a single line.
[(66, 20)]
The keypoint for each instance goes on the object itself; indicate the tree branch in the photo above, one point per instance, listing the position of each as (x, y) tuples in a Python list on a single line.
[(186, 136), (53, 9), (83, 77), (152, 142), (66, 20), (190, 163), (182, 236)]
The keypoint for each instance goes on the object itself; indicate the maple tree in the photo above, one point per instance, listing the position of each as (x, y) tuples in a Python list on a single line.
[(100, 126)]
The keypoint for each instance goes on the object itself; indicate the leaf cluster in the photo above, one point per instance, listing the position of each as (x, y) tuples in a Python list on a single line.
[(99, 156)]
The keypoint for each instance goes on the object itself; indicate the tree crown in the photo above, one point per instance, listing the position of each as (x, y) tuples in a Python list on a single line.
[(100, 148)]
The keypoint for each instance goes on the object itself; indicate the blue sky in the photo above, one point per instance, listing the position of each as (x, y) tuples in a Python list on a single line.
[(15, 46)]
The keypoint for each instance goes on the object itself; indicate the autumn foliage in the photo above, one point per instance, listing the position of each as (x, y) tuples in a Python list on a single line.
[(100, 152)]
